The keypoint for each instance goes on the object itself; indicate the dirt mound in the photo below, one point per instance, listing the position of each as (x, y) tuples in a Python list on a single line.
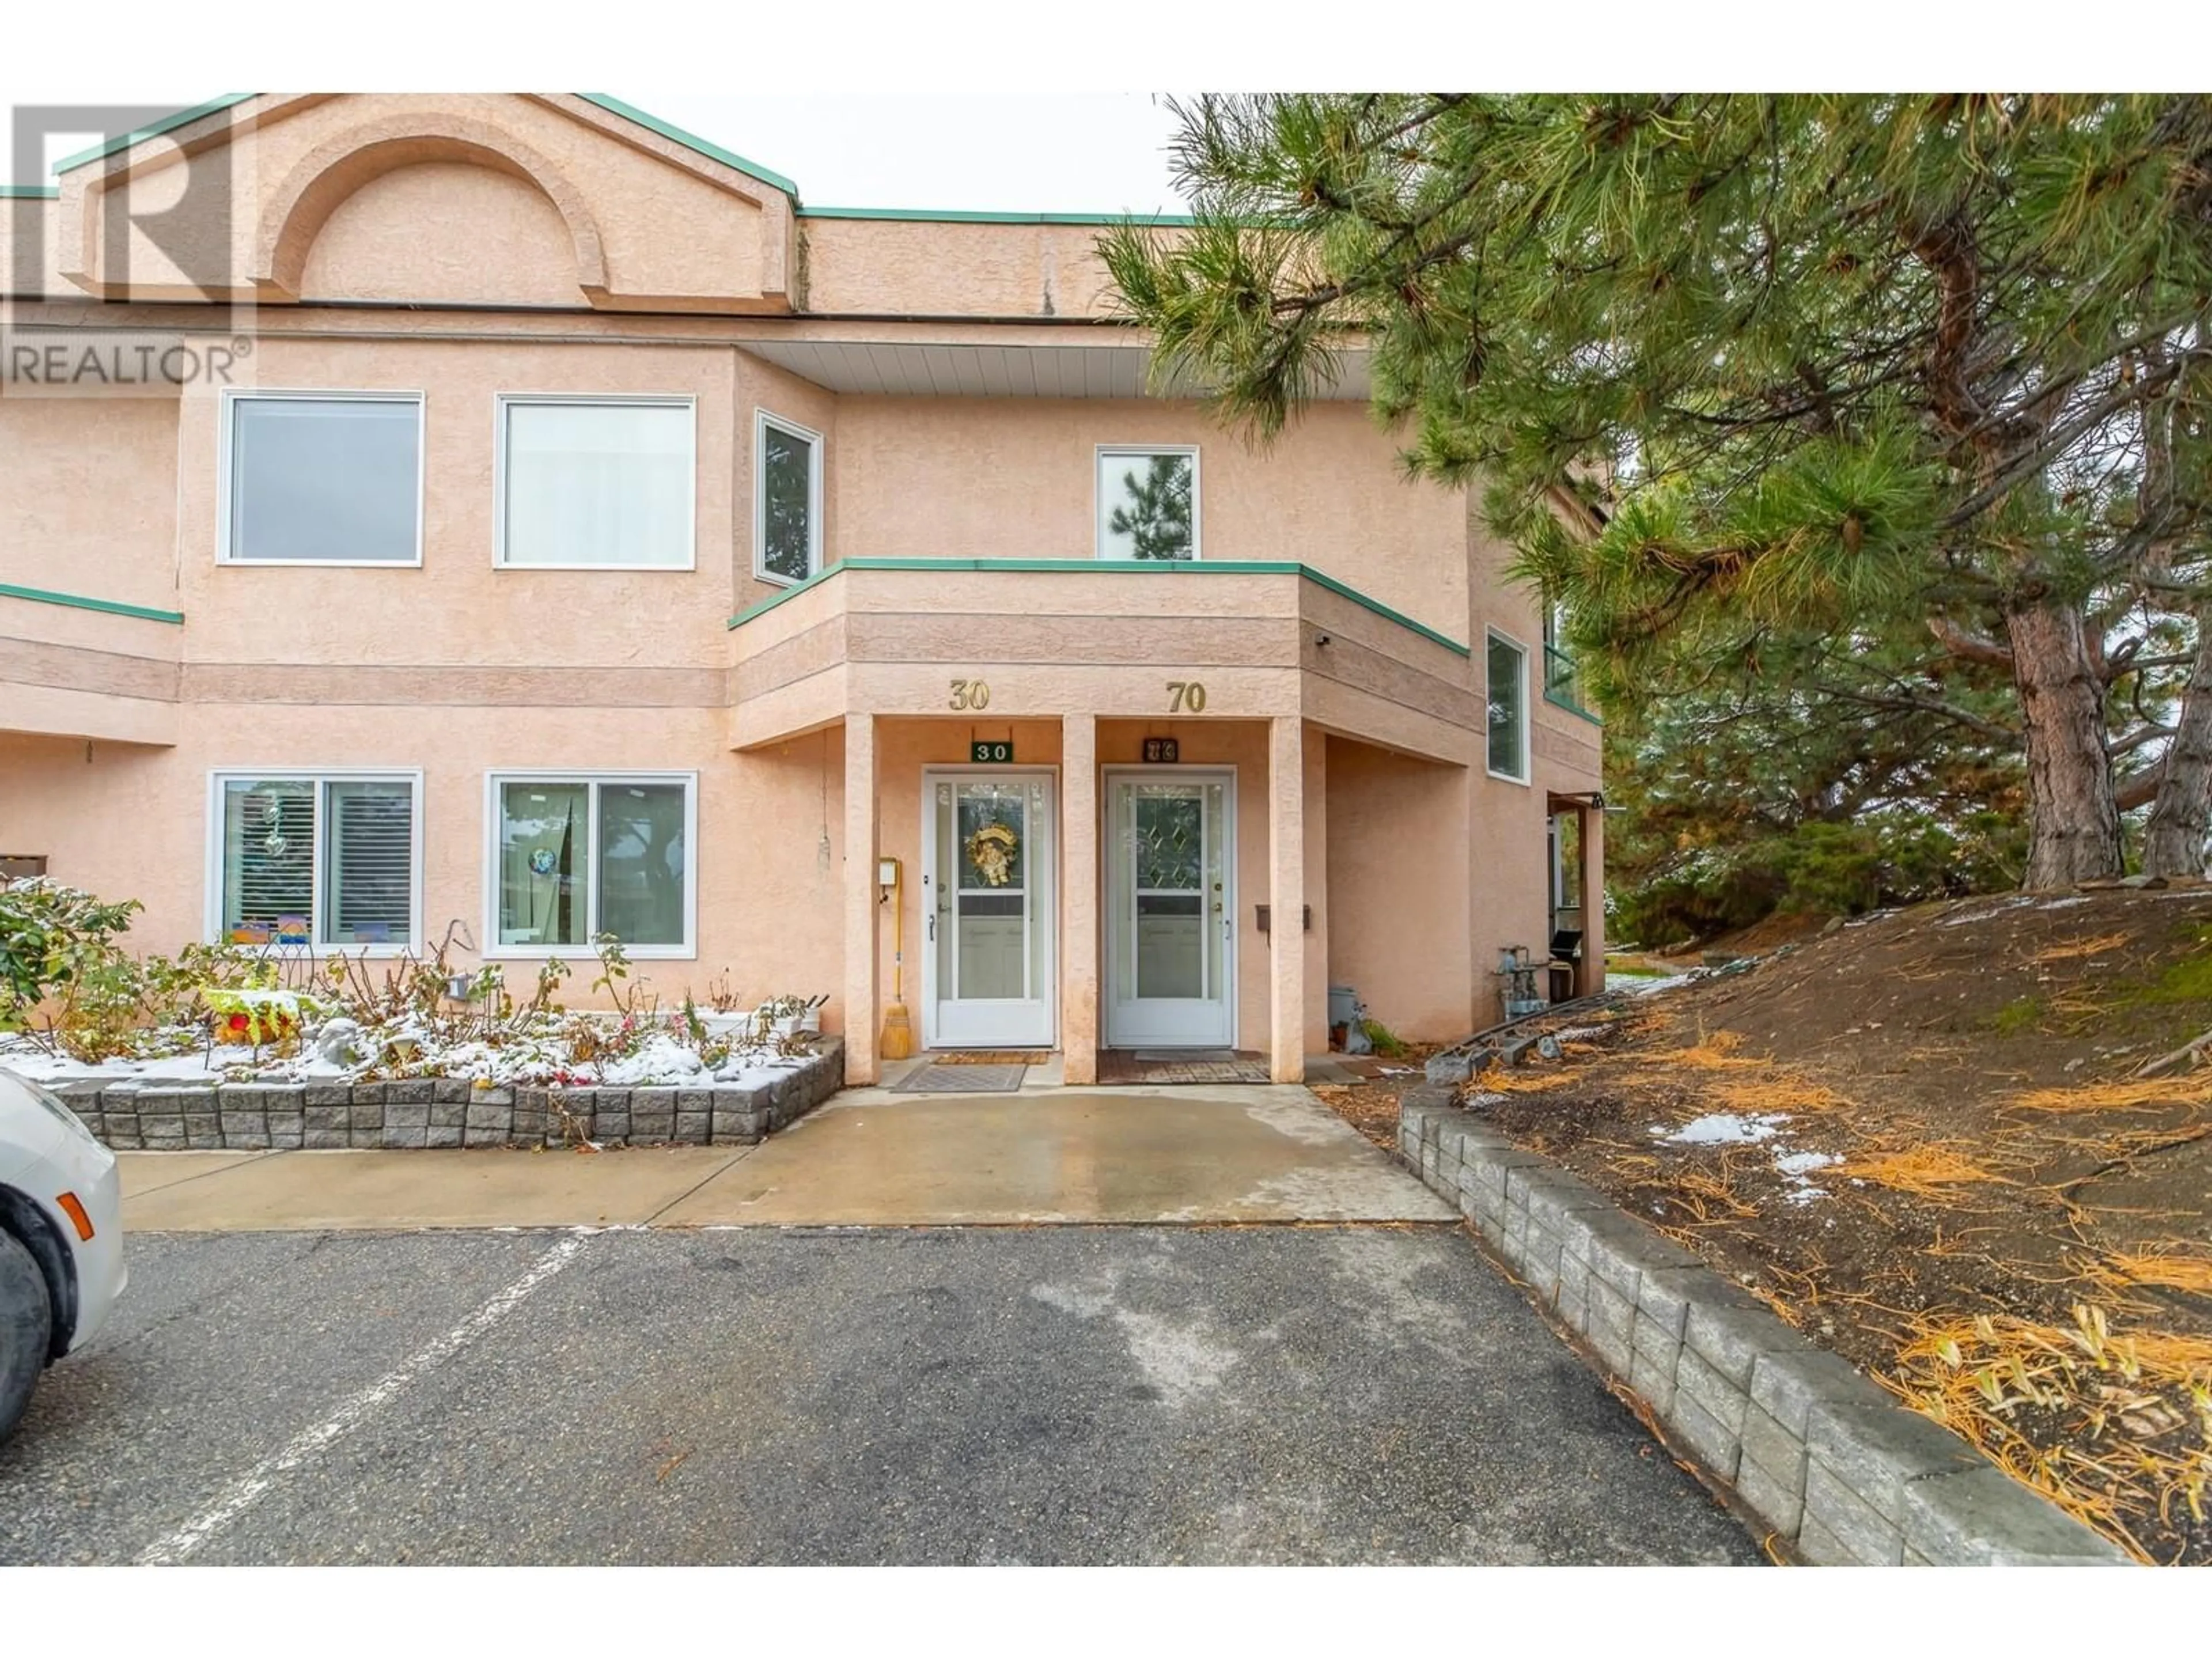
[(1922, 1137)]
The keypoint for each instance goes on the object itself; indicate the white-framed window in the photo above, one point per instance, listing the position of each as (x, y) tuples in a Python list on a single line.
[(786, 500), (596, 483), (324, 859), (1147, 500), (575, 854), (1507, 680), (319, 477)]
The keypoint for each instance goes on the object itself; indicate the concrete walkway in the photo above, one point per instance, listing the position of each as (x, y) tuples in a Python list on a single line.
[(870, 1158)]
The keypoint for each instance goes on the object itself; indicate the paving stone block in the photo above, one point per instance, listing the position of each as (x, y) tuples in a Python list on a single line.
[(407, 1137), (1787, 1385), (365, 1138), (487, 1114), (693, 1128), (1611, 1327), (124, 1133), (411, 1091), (1717, 1396), (325, 1095), (1870, 1537), (366, 1111), (1822, 1548), (287, 1130), (1652, 1377), (1663, 1296), (406, 1114), (325, 1138), (1773, 1448), (1875, 1450), (370, 1094), (449, 1113), (1731, 1329), (321, 1119), (444, 1135), (1711, 1443), (203, 1129), (1573, 1290), (243, 1132), (1779, 1503), (164, 1135), (1983, 1517), (451, 1091)]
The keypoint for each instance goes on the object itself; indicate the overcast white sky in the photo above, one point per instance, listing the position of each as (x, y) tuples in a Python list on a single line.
[(1069, 153)]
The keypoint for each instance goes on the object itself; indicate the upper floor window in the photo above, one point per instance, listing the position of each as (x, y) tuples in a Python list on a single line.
[(321, 477), (787, 501), (327, 860), (1148, 502), (596, 483), (1508, 681)]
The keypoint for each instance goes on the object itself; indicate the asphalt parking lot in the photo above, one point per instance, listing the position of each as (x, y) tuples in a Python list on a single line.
[(1043, 1395)]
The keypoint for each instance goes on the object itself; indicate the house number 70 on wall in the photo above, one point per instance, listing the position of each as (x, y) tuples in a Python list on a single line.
[(1186, 697), (970, 694)]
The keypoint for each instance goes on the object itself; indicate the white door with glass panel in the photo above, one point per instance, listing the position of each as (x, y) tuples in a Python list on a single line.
[(989, 965), (1171, 910)]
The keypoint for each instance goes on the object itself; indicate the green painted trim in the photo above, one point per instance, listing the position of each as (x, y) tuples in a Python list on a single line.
[(1574, 708), (29, 192), (1147, 567), (691, 141), (114, 607), (167, 124), (977, 216)]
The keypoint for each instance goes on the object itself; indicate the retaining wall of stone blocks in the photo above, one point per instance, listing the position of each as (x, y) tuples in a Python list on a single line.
[(1815, 1453), (414, 1112)]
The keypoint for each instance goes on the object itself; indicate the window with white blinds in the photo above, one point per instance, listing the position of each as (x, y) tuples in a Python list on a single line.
[(596, 483), (319, 860)]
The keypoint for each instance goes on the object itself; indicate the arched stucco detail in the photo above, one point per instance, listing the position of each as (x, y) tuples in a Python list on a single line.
[(294, 213)]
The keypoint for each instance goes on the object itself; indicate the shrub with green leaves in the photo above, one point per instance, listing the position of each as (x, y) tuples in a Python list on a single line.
[(58, 942)]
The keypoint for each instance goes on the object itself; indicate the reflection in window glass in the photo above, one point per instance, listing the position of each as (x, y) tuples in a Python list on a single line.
[(544, 830), (641, 862), (1147, 505), (1508, 692), (787, 529), (325, 479)]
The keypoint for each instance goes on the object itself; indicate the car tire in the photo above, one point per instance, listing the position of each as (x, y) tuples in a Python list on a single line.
[(26, 1319)]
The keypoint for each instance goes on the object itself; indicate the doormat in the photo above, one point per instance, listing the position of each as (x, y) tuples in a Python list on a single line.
[(990, 1057), (1164, 1065), (965, 1079), (1183, 1056)]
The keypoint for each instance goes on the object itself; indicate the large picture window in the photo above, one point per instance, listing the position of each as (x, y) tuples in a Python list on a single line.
[(326, 861), (596, 483), (321, 478), (1148, 503), (1508, 669), (573, 857)]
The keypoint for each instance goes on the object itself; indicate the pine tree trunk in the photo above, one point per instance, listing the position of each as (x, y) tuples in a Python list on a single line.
[(2181, 814), (2074, 817)]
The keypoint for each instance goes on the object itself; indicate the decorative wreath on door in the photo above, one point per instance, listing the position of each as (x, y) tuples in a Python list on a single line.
[(991, 850)]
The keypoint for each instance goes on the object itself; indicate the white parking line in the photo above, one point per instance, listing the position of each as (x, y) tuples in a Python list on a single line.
[(249, 1489)]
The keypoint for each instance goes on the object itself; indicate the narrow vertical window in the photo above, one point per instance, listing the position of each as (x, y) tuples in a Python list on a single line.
[(787, 501), (1508, 709)]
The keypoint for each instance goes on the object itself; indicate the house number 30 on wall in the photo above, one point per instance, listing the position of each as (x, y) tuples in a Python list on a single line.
[(970, 694)]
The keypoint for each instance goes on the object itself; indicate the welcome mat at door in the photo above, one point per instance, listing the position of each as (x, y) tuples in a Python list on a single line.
[(964, 1077)]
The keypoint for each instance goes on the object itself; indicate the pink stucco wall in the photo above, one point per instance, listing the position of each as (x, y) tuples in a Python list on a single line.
[(613, 249)]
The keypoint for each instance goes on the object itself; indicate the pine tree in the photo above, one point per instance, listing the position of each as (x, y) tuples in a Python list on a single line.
[(1156, 516), (1733, 367)]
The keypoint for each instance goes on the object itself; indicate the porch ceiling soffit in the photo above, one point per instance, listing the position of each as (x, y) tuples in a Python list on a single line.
[(1111, 367)]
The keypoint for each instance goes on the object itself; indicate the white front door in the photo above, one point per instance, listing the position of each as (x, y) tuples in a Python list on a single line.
[(1171, 857), (988, 978)]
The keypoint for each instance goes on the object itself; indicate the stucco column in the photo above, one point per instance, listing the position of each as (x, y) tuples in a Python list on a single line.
[(1316, 968), (1593, 898), (1287, 897), (1079, 886), (863, 900)]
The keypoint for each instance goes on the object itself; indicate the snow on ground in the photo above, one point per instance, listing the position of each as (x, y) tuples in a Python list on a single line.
[(1725, 1129)]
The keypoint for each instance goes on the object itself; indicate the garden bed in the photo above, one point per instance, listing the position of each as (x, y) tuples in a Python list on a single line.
[(1922, 1140)]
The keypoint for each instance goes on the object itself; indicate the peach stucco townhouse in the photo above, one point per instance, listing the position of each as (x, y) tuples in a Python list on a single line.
[(494, 520)]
